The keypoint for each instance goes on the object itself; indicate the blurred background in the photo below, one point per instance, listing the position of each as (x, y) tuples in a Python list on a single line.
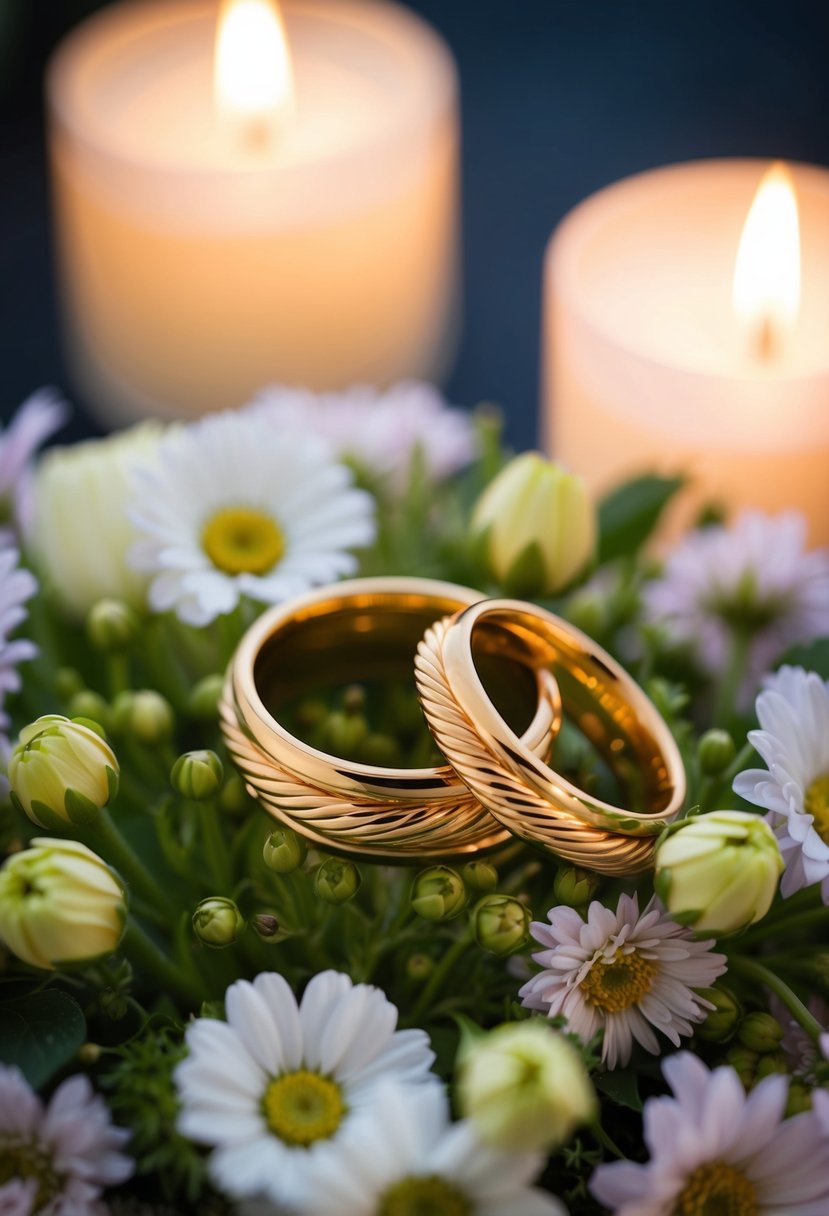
[(559, 98)]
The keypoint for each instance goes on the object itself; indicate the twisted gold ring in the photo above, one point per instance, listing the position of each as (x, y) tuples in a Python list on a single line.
[(356, 631), (518, 787)]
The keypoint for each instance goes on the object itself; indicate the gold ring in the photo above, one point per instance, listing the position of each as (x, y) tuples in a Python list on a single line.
[(518, 787), (364, 630)]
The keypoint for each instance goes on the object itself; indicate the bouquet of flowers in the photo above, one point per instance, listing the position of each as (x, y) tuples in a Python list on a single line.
[(203, 1011)]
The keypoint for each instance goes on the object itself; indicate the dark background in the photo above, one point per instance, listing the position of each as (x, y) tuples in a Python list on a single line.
[(560, 97)]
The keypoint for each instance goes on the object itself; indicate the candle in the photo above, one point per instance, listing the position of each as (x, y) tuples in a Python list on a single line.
[(268, 216), (686, 330)]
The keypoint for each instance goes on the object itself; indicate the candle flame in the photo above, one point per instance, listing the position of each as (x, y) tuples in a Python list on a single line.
[(253, 78), (766, 290)]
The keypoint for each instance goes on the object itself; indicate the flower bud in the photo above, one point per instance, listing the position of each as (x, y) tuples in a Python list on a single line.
[(744, 1062), (575, 887), (112, 626), (345, 732), (62, 772), (419, 966), (438, 893), (721, 1021), (524, 1087), (715, 750), (233, 797), (535, 526), (92, 707), (284, 851), (265, 925), (145, 715), (500, 924), (197, 775), (480, 876), (799, 1099), (68, 681), (60, 903), (336, 879), (771, 1063), (719, 872), (217, 921), (760, 1032), (203, 702)]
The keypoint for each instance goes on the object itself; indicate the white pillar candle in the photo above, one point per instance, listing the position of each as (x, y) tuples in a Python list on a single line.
[(648, 363), (203, 255)]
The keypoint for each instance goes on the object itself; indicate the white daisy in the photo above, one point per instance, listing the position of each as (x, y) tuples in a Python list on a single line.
[(35, 421), (755, 575), (621, 973), (714, 1149), (275, 1088), (56, 1159), (379, 430), (793, 711), (403, 1157), (16, 587), (235, 508)]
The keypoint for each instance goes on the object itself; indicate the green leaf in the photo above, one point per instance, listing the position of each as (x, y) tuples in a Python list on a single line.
[(622, 1087), (41, 1033), (629, 515), (814, 657)]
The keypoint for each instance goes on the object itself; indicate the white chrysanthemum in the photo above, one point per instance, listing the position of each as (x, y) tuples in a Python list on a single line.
[(16, 587), (793, 711), (755, 575), (402, 1156), (621, 973), (379, 430), (81, 535), (56, 1159), (714, 1149), (237, 508), (275, 1088), (40, 415)]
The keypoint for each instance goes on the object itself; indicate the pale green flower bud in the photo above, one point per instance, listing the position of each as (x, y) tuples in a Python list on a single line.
[(480, 875), (771, 1063), (203, 702), (438, 893), (744, 1062), (524, 1087), (68, 681), (719, 872), (217, 921), (501, 924), (284, 851), (62, 772), (112, 626), (799, 1099), (60, 903), (760, 1032), (575, 887), (197, 775), (535, 526), (336, 880), (419, 966), (146, 716), (721, 1021), (233, 797), (716, 750), (91, 705)]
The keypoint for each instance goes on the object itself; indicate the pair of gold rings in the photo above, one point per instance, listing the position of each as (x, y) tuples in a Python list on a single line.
[(495, 680)]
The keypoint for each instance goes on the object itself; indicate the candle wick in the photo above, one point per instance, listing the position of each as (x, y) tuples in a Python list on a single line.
[(766, 340)]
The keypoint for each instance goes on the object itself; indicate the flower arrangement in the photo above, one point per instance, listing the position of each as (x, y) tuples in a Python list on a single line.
[(202, 1011)]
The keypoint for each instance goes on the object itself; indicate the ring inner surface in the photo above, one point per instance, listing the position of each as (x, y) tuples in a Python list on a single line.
[(595, 700), (335, 644)]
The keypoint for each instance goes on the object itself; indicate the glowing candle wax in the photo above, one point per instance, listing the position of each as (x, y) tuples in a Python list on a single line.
[(683, 334), (235, 214)]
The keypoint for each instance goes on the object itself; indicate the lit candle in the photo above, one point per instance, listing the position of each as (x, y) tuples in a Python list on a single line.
[(686, 321), (268, 206)]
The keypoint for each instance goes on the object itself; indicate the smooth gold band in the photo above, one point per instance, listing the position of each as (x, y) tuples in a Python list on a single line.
[(518, 787), (355, 631)]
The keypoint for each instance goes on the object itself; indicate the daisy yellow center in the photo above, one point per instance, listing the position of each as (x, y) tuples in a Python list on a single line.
[(816, 804), (716, 1189), (432, 1196), (23, 1161), (303, 1107), (241, 540), (615, 984)]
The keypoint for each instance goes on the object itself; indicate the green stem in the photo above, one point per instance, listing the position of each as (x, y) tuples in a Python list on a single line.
[(605, 1141), (756, 971), (118, 673), (158, 966), (732, 677), (104, 837), (443, 969), (788, 924), (215, 847)]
